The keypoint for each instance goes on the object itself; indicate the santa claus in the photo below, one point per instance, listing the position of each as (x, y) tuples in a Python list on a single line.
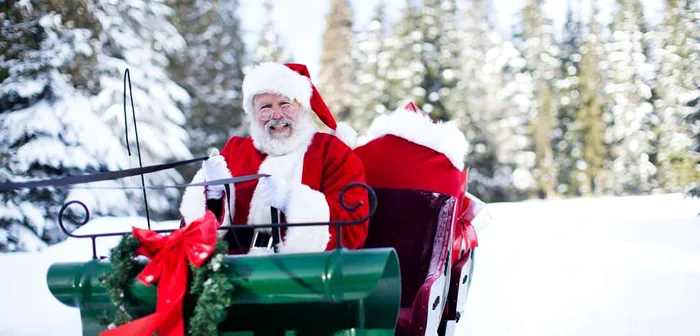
[(307, 168)]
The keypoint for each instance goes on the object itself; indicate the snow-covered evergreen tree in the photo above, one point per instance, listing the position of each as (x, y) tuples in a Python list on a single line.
[(373, 61), (407, 71), (138, 35), (439, 54), (692, 9), (628, 87), (486, 103), (210, 68), (536, 40), (677, 168), (509, 127), (426, 61), (337, 74), (49, 128), (590, 125), (269, 47), (567, 88)]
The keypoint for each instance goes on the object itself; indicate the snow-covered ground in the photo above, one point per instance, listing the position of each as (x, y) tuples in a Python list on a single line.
[(604, 266)]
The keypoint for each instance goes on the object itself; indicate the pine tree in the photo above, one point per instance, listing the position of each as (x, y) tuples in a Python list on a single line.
[(629, 95), (269, 47), (567, 90), (47, 57), (210, 68), (337, 73), (373, 59), (484, 103), (509, 127), (537, 44), (138, 35), (407, 71), (439, 54), (590, 125), (692, 118), (427, 60), (471, 100), (673, 137)]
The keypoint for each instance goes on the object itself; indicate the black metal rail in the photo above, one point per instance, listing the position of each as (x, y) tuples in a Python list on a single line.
[(372, 198)]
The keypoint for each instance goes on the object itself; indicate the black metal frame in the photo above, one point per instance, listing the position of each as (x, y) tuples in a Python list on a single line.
[(372, 198)]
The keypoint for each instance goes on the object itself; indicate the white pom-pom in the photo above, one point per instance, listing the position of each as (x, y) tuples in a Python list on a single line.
[(346, 134)]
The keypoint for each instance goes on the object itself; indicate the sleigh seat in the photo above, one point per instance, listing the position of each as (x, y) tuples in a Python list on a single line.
[(416, 167), (416, 223)]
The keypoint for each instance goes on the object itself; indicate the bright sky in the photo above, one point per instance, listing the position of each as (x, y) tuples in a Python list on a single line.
[(301, 22)]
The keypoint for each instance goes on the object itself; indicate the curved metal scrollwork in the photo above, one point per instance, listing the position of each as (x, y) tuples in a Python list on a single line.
[(85, 220), (371, 196)]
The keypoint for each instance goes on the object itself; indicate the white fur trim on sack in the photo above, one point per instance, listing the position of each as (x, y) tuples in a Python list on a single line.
[(269, 77), (193, 204), (445, 138)]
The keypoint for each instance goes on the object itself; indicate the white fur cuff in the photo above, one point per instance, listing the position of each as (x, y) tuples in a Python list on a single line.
[(194, 202), (306, 205)]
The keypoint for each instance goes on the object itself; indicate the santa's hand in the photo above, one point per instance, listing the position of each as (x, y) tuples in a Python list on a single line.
[(214, 168), (274, 192)]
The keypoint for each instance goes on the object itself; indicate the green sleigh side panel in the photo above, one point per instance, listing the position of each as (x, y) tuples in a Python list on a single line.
[(338, 292)]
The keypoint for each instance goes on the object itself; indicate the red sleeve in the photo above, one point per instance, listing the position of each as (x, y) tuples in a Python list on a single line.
[(341, 167)]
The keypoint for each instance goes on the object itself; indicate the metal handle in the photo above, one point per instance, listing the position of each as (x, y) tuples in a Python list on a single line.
[(276, 234)]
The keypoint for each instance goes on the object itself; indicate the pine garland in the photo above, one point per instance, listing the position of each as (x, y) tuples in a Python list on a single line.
[(117, 280), (210, 285), (214, 290)]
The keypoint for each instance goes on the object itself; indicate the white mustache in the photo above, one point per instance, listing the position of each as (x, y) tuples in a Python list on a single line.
[(279, 122)]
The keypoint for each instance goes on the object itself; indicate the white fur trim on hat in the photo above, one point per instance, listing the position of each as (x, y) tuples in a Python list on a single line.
[(346, 134), (269, 77), (445, 138)]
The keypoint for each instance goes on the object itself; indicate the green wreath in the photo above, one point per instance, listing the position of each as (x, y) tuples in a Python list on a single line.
[(209, 284)]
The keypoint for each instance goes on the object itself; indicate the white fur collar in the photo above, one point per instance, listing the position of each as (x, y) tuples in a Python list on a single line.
[(444, 138)]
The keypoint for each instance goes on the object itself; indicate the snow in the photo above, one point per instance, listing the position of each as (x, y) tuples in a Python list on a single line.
[(590, 266), (599, 266)]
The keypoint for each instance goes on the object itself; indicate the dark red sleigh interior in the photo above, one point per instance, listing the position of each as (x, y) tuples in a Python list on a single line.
[(417, 224)]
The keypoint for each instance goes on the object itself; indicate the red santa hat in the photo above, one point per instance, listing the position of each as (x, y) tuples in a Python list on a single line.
[(292, 80)]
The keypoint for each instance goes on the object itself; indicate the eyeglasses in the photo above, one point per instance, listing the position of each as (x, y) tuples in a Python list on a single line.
[(286, 109)]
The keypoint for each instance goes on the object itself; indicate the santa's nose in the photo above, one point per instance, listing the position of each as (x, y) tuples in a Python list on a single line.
[(276, 114)]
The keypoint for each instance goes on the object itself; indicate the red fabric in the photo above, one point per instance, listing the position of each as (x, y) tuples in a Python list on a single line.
[(169, 255), (393, 162), (411, 106), (317, 103), (459, 225), (329, 165)]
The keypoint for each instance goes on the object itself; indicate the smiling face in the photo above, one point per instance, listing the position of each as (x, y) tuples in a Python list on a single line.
[(279, 125), (276, 114)]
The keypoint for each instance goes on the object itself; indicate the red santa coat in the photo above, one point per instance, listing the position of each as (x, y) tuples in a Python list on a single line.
[(316, 174)]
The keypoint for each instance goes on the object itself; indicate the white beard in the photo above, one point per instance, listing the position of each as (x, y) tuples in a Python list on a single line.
[(303, 131)]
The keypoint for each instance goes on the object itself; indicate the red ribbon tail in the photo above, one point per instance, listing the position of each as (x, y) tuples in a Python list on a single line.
[(146, 325)]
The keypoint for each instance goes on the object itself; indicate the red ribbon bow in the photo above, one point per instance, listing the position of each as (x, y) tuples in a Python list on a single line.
[(169, 255)]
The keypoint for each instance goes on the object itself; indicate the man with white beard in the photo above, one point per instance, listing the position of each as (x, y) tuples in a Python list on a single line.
[(308, 168)]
